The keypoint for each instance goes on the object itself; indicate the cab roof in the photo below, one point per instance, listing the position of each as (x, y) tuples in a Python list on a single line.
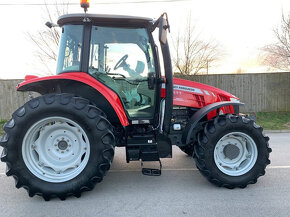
[(104, 18)]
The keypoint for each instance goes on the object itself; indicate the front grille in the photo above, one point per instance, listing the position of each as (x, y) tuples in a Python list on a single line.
[(227, 108), (200, 100)]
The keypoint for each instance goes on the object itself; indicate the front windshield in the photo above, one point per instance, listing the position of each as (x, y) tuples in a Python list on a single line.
[(122, 58), (70, 49)]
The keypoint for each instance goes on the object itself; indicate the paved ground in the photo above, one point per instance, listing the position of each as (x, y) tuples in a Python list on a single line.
[(180, 191)]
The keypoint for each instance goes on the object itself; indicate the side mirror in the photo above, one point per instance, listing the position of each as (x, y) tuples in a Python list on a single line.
[(151, 80), (163, 26), (50, 24)]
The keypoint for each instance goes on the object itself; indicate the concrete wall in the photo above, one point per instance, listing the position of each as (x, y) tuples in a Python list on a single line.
[(260, 92)]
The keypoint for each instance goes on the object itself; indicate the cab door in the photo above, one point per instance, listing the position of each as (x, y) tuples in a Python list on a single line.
[(122, 59)]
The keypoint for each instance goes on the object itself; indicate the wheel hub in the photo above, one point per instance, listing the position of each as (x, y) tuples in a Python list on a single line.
[(231, 151), (62, 145)]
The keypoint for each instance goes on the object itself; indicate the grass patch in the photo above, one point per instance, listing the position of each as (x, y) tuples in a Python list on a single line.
[(274, 120), (2, 122)]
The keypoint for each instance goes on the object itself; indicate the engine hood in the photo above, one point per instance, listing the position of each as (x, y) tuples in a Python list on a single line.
[(194, 94)]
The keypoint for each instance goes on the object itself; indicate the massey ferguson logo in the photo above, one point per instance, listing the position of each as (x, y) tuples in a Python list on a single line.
[(188, 89)]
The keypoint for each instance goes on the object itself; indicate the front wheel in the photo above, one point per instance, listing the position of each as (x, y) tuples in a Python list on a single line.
[(232, 151), (187, 150), (57, 145)]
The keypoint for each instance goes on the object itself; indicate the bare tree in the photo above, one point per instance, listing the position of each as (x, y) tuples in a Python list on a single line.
[(194, 55), (277, 55), (46, 41)]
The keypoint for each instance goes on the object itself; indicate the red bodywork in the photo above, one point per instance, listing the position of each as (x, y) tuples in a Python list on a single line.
[(197, 95), (185, 93), (85, 78)]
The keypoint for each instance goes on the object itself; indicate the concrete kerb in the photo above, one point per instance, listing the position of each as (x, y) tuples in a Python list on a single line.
[(276, 131)]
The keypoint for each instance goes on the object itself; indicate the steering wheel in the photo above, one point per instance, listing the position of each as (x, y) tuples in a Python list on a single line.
[(121, 62)]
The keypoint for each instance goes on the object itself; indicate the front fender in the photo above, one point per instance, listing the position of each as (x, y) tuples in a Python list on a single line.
[(186, 137), (47, 84)]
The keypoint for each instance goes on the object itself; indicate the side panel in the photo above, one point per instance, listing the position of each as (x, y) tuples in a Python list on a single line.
[(32, 83)]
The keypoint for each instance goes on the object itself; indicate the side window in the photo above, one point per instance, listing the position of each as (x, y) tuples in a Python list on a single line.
[(70, 49)]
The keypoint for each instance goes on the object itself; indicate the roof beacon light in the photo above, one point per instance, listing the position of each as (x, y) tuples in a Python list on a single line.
[(85, 4)]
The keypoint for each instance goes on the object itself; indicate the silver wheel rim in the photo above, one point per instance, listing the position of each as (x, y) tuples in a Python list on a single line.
[(55, 149), (235, 154)]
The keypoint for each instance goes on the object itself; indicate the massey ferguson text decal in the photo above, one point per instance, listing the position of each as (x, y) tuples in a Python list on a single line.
[(188, 89)]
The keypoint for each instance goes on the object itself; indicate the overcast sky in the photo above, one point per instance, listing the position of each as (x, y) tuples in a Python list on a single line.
[(240, 26)]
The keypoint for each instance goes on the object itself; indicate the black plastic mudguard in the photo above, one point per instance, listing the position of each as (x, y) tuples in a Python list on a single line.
[(194, 120)]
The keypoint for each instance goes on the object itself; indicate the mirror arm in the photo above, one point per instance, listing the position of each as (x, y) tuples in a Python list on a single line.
[(156, 23)]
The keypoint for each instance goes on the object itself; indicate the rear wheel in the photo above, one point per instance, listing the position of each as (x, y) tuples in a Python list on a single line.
[(57, 145), (232, 151)]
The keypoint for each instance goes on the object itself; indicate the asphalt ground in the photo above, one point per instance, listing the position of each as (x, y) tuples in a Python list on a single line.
[(180, 191)]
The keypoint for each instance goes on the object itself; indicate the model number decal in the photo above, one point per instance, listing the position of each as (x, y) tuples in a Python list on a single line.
[(188, 89)]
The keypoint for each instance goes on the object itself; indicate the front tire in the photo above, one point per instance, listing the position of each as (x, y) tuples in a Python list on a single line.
[(187, 150), (232, 151), (57, 145)]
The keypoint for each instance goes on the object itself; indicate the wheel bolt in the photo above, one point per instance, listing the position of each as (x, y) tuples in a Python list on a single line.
[(62, 151), (55, 144), (57, 149), (48, 149), (67, 150)]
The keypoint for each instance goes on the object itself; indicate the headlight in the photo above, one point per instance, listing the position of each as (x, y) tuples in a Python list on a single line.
[(234, 100)]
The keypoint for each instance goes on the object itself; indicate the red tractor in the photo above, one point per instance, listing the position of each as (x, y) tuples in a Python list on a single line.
[(109, 91)]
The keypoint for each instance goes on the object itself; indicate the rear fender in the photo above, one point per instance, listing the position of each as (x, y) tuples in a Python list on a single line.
[(195, 119), (80, 84)]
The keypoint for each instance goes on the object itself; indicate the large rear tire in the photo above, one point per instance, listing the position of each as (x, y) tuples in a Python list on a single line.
[(57, 145), (232, 151)]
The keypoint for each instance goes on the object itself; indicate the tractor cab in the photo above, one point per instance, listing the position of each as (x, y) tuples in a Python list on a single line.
[(119, 52)]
